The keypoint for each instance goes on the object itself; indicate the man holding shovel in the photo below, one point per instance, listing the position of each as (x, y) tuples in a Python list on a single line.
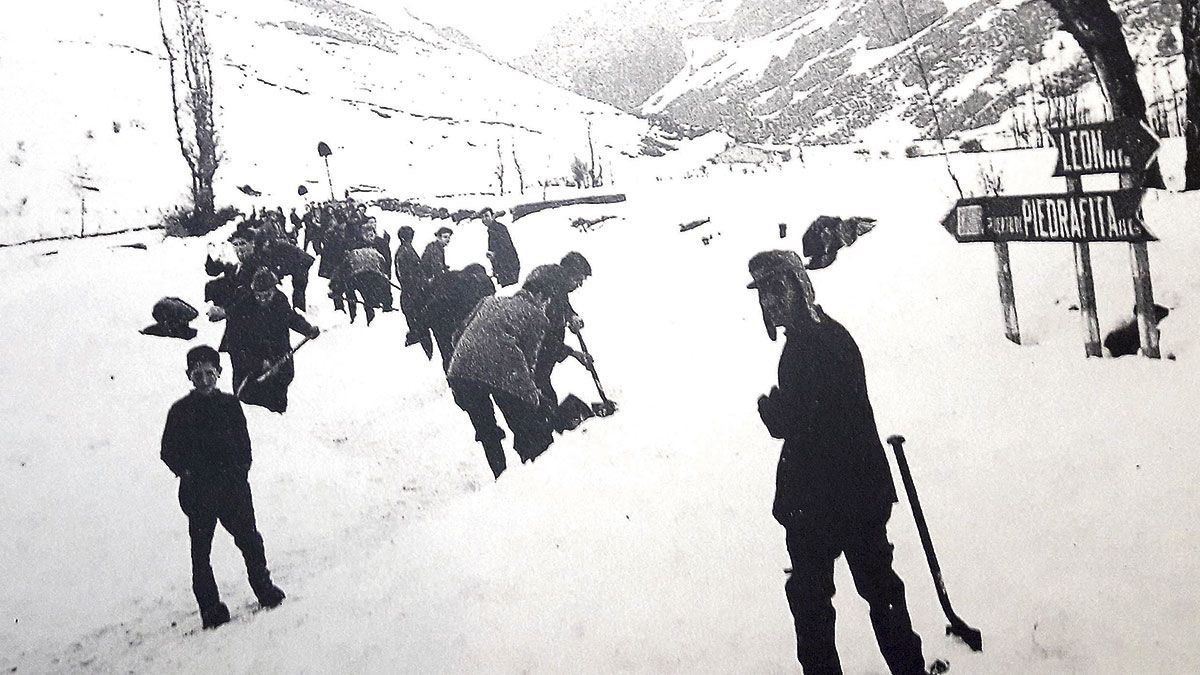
[(258, 343), (833, 489)]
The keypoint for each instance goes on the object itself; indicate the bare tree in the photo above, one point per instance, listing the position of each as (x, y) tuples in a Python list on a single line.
[(1189, 25), (923, 71), (189, 61), (517, 164), (591, 158), (1097, 29), (500, 167), (581, 173)]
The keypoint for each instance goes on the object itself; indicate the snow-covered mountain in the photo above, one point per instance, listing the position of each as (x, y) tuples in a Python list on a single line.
[(88, 142), (832, 70)]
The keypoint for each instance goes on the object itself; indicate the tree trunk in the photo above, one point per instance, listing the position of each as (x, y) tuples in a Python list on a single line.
[(1189, 25), (1097, 29)]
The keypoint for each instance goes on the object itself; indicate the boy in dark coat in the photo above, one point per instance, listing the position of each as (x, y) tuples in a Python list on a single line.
[(205, 443), (506, 265), (433, 259), (494, 360), (256, 338), (833, 488)]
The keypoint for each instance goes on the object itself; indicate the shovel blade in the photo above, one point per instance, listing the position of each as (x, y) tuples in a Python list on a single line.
[(573, 411)]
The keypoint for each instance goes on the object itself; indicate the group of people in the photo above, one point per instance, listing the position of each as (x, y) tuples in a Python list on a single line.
[(495, 352), (834, 491)]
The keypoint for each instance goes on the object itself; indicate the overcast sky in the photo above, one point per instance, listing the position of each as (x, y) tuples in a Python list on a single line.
[(504, 29)]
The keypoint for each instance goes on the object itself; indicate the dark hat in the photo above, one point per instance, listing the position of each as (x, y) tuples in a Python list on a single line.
[(203, 354), (405, 233), (769, 264), (443, 230), (264, 280), (575, 262)]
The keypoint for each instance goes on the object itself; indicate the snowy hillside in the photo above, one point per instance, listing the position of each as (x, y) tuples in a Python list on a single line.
[(832, 71), (87, 141), (1059, 490)]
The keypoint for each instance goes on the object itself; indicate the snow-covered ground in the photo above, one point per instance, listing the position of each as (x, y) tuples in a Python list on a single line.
[(1059, 490)]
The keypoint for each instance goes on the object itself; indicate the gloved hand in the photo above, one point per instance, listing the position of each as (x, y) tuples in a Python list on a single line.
[(314, 333), (771, 413)]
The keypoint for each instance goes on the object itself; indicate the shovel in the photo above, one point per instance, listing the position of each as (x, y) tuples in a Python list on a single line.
[(606, 406)]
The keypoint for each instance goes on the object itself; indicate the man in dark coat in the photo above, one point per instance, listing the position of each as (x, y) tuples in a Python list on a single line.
[(256, 338), (494, 360), (506, 265), (286, 259), (574, 269), (205, 443), (833, 489), (449, 302), (365, 271), (433, 259), (413, 291)]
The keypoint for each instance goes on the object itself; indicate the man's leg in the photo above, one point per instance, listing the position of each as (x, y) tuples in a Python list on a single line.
[(870, 557), (300, 289), (477, 403), (202, 521), (810, 591), (445, 345), (237, 517), (531, 429)]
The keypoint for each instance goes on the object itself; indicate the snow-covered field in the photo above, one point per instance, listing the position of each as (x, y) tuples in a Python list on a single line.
[(1059, 490)]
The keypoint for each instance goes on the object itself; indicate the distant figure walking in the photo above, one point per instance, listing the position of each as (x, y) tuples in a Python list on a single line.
[(506, 264)]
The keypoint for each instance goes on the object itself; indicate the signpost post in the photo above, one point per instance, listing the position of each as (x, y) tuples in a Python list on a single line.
[(1122, 146)]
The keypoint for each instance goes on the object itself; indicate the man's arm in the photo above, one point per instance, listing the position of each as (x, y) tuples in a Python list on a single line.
[(174, 446), (241, 436)]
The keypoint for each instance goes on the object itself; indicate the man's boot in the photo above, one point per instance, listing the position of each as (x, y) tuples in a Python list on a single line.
[(270, 596), (216, 615)]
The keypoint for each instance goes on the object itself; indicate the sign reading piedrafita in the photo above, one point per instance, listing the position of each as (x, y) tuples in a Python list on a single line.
[(1119, 146), (1095, 216)]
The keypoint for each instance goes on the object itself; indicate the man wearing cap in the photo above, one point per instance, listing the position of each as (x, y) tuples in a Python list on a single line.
[(506, 264), (575, 270), (492, 367), (256, 338), (433, 259), (833, 488)]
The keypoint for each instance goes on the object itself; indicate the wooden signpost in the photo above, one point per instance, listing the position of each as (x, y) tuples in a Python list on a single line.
[(1122, 146)]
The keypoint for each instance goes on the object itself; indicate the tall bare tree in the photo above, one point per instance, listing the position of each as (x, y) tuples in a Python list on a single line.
[(1189, 25), (189, 61), (1097, 29)]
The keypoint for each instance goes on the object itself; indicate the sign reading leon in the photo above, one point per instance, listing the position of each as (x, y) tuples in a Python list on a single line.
[(1117, 146), (1095, 216)]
